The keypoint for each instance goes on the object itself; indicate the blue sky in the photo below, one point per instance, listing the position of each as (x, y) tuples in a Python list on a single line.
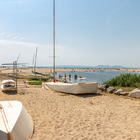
[(88, 32)]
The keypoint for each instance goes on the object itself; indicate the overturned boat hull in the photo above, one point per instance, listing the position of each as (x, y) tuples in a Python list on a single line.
[(7, 87), (16, 123), (8, 82)]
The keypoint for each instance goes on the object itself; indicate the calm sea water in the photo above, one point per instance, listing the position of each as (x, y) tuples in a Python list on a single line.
[(93, 76)]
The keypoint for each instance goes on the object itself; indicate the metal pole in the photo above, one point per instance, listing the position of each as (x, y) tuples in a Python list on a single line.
[(16, 74), (54, 38), (35, 60), (13, 72)]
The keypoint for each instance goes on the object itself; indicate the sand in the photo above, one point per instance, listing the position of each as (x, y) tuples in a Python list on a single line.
[(59, 116)]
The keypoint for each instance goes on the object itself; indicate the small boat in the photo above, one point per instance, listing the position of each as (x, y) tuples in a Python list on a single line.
[(81, 78), (7, 87), (72, 88), (33, 76), (15, 122), (8, 82), (68, 77)]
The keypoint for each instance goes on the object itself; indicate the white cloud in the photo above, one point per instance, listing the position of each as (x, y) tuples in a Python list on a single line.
[(12, 36), (15, 37), (2, 33), (21, 38), (10, 42), (12, 49), (9, 35), (13, 44)]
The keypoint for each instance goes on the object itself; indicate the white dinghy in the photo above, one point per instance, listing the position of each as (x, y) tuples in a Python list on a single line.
[(7, 87), (72, 88), (8, 82), (15, 122)]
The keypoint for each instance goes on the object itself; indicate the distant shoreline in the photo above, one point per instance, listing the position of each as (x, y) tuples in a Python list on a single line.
[(50, 70), (72, 67)]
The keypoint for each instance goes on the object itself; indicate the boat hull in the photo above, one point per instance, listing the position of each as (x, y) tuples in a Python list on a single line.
[(75, 88), (8, 82), (16, 122), (7, 87)]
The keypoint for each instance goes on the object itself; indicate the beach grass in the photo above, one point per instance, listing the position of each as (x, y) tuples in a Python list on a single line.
[(36, 82), (125, 89)]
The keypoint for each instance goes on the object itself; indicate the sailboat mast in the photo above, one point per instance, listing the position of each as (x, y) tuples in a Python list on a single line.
[(35, 60), (54, 38)]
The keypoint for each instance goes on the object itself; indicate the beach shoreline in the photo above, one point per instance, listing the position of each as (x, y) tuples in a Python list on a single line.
[(49, 70)]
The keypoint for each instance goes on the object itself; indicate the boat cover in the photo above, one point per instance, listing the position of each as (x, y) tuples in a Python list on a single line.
[(73, 88)]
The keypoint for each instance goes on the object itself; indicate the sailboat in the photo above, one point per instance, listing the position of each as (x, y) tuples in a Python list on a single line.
[(72, 88)]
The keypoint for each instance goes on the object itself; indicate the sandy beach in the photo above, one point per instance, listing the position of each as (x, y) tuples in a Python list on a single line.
[(59, 116)]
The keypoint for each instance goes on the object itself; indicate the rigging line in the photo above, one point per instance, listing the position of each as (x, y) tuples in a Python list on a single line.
[(18, 57), (5, 122)]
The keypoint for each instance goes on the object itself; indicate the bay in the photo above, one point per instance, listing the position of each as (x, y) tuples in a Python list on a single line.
[(92, 76)]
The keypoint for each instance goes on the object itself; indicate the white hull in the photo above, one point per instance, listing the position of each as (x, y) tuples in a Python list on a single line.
[(74, 88), (82, 78), (15, 122), (33, 76), (7, 87), (8, 82)]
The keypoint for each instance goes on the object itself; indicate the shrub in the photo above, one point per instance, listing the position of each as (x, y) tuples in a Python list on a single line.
[(38, 82), (125, 80)]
